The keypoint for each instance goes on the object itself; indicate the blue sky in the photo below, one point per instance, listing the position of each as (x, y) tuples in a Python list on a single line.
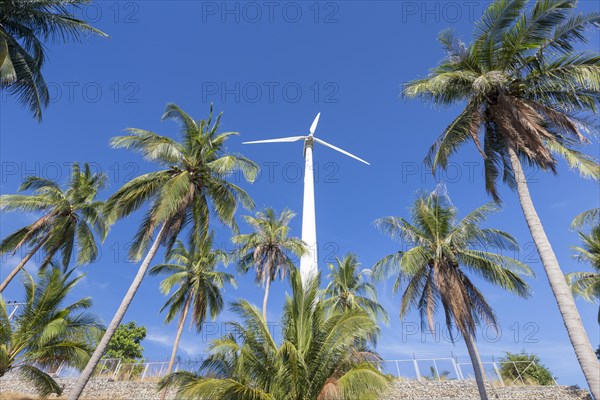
[(270, 67)]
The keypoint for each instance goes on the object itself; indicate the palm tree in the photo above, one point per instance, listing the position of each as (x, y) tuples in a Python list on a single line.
[(587, 284), (434, 375), (316, 359), (268, 248), (47, 333), (441, 251), (198, 285), (24, 27), (350, 288), (69, 219), (193, 184), (528, 90)]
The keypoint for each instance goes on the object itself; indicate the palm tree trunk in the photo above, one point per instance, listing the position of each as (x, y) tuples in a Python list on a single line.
[(116, 321), (20, 266), (176, 344), (266, 298), (477, 366), (566, 305)]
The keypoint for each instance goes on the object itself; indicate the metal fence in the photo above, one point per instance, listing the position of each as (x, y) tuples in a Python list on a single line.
[(125, 371), (502, 373)]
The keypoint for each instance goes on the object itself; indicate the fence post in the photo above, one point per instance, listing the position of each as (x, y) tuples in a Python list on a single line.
[(145, 370), (59, 369), (518, 373), (437, 372), (117, 369), (456, 371), (462, 377), (498, 373), (417, 368), (398, 368)]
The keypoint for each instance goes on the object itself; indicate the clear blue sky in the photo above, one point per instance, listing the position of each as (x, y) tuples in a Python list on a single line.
[(270, 67)]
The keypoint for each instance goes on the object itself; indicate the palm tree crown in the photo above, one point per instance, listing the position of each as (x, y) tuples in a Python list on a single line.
[(441, 250), (194, 183), (48, 332), (315, 360), (24, 27), (268, 247), (196, 279), (350, 287), (70, 218), (523, 83)]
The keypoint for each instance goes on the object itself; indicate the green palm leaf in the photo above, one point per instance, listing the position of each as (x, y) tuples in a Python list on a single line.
[(47, 333), (24, 26)]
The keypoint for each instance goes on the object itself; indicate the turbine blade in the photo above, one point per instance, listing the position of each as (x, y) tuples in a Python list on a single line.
[(313, 127), (279, 140), (324, 143)]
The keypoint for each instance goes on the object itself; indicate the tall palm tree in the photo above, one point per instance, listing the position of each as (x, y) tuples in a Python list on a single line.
[(70, 217), (527, 91), (48, 332), (193, 184), (442, 251), (316, 359), (587, 284), (198, 283), (350, 287), (268, 248), (24, 27)]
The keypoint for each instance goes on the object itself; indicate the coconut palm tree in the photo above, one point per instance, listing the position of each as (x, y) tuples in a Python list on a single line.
[(316, 358), (527, 92), (268, 249), (70, 216), (48, 332), (350, 287), (24, 27), (442, 252), (587, 284), (198, 283), (193, 183), (434, 375)]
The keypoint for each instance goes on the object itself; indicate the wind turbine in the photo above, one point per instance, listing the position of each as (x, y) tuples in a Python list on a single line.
[(308, 262)]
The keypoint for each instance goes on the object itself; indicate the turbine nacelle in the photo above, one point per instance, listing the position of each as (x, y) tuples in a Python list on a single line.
[(308, 141)]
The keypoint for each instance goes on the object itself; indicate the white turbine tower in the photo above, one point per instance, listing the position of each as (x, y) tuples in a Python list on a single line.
[(308, 262)]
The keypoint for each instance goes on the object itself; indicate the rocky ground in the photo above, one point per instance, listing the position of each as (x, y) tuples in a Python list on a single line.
[(104, 389)]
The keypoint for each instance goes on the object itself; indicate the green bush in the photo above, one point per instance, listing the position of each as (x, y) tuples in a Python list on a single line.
[(522, 368), (125, 344)]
